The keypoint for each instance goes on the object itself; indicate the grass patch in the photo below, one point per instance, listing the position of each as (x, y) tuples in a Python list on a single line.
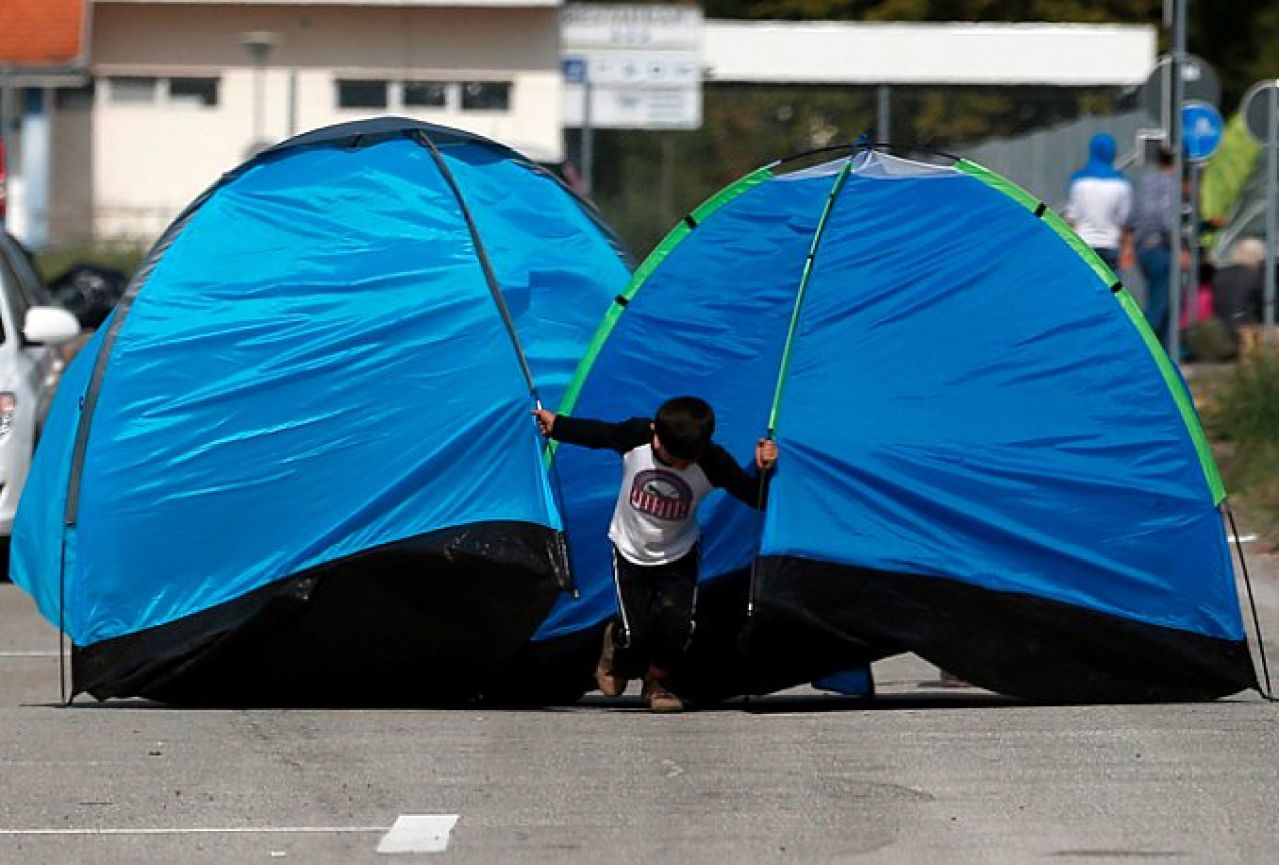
[(1243, 415)]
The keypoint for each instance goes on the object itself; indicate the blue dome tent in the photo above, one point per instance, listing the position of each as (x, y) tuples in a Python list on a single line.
[(297, 464), (986, 457)]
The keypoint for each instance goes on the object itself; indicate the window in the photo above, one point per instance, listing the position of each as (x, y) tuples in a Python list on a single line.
[(425, 94), (73, 98), (486, 96), (361, 94), (132, 90), (198, 92)]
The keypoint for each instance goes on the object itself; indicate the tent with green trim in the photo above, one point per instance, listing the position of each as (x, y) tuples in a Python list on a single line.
[(986, 457)]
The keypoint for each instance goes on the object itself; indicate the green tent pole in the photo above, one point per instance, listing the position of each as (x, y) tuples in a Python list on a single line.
[(784, 366)]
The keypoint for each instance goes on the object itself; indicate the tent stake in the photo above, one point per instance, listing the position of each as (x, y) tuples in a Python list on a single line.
[(1268, 692), (62, 620)]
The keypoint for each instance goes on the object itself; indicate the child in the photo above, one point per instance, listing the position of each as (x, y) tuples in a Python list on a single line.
[(669, 465)]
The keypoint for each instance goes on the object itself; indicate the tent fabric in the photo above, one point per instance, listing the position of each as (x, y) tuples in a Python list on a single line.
[(313, 364), (967, 402)]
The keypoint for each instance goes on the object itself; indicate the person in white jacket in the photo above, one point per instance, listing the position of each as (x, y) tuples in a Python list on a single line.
[(1099, 204)]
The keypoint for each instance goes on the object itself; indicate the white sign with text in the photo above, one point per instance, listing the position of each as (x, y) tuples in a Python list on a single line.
[(640, 64)]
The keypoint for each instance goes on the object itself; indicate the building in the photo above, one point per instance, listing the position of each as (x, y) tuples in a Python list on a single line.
[(157, 98), (178, 91), (43, 44)]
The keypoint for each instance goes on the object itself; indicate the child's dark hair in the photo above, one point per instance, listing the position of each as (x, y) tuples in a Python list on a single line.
[(685, 425)]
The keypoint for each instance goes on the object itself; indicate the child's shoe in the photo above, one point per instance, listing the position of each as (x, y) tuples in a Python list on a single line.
[(657, 697), (609, 683)]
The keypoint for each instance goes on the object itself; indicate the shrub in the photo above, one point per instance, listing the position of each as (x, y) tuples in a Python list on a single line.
[(1245, 411)]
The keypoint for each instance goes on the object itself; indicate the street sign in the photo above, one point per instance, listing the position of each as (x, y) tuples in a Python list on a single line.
[(1201, 130), (574, 69), (1261, 116), (640, 64), (1199, 79), (1258, 106)]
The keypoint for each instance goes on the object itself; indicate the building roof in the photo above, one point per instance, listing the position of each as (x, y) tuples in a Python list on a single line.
[(844, 52), (42, 33), (480, 3)]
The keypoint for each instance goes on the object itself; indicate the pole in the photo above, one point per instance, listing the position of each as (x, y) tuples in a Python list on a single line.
[(666, 195), (293, 103), (6, 143), (588, 138), (883, 122), (1175, 221), (259, 97), (1272, 233), (1193, 238)]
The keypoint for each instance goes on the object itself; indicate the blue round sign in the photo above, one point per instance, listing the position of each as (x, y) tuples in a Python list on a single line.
[(1201, 130)]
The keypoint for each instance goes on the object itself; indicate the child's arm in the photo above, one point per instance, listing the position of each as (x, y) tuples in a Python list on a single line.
[(620, 437), (745, 486)]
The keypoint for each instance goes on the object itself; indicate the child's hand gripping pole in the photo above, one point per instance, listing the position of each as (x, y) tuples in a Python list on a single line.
[(563, 568), (765, 460)]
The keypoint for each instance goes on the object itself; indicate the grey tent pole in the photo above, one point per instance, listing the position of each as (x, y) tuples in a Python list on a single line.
[(563, 573), (1268, 693), (62, 620), (495, 288)]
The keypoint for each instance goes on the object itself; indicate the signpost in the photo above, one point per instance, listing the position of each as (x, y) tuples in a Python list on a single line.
[(1198, 79), (1182, 79), (1261, 116), (630, 66), (1201, 131)]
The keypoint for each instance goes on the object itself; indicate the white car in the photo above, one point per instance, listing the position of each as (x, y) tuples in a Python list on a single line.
[(31, 327)]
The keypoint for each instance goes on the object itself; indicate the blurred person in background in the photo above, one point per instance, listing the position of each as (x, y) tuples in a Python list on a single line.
[(1099, 202), (1153, 203), (1237, 288)]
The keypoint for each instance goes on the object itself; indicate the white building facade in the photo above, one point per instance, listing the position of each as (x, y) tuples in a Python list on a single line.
[(184, 90), (178, 92)]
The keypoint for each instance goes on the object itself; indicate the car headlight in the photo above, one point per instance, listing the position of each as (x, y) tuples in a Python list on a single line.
[(8, 407)]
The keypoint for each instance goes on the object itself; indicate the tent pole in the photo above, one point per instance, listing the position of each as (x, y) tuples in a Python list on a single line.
[(563, 573), (495, 288), (1268, 693), (62, 620), (784, 366)]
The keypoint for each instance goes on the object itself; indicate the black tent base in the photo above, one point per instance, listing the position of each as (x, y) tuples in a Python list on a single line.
[(1018, 645), (812, 619), (424, 622), (725, 658)]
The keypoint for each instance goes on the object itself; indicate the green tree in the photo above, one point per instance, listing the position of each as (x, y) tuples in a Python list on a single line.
[(646, 181)]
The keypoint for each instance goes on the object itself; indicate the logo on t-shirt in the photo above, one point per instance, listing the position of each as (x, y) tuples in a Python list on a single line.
[(661, 494)]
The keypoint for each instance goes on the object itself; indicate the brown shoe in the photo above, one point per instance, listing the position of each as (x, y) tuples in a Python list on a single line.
[(609, 683), (659, 699)]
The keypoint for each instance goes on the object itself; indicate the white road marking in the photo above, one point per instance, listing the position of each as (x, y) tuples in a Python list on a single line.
[(418, 833), (224, 830), (1244, 539)]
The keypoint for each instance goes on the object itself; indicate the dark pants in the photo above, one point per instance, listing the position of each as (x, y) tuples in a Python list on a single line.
[(655, 613), (1156, 267), (1110, 256)]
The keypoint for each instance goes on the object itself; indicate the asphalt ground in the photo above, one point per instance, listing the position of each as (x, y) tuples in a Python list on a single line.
[(920, 774)]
